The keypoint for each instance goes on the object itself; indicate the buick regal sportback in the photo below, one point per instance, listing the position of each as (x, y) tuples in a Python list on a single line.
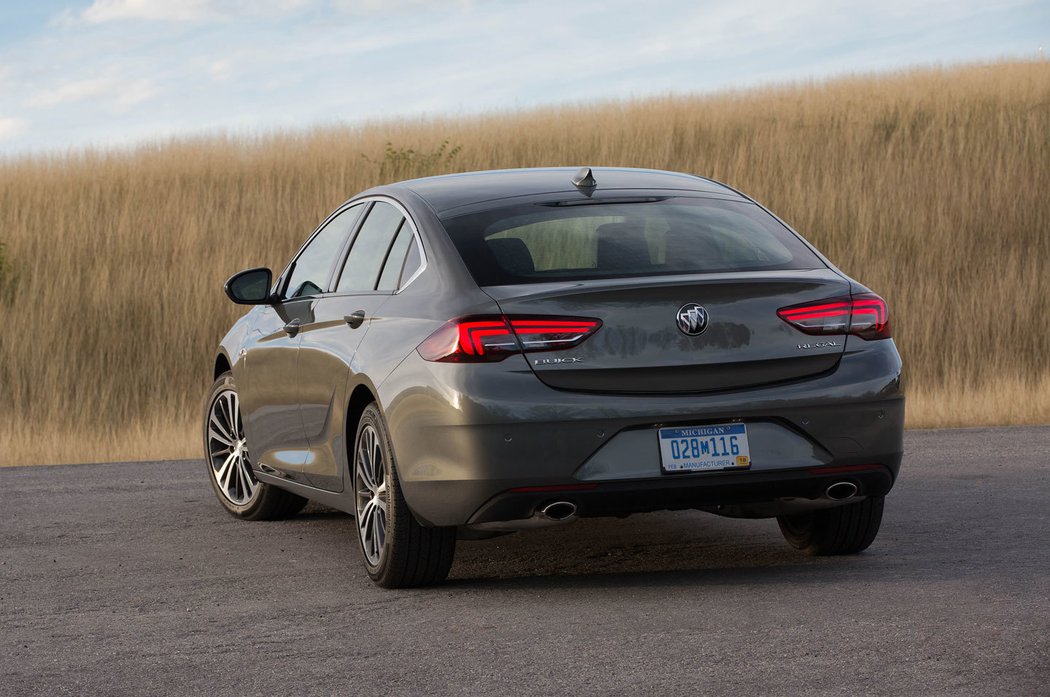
[(467, 355)]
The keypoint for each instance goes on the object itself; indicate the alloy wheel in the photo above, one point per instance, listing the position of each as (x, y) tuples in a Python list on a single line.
[(228, 450), (370, 485)]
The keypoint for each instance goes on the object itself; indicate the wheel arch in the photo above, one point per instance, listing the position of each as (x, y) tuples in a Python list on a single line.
[(360, 397), (222, 365)]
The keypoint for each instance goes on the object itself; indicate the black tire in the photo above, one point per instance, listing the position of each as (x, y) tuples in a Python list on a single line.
[(247, 498), (410, 554), (841, 530)]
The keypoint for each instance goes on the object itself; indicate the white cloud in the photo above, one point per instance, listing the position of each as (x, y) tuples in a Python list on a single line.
[(171, 10), (390, 6), (222, 69), (103, 11), (120, 95), (10, 127), (132, 93)]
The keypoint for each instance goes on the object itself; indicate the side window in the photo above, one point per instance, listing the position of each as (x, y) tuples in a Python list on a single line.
[(314, 265), (412, 263), (361, 271), (395, 260)]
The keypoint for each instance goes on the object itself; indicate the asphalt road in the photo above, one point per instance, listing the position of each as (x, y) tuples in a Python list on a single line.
[(129, 579)]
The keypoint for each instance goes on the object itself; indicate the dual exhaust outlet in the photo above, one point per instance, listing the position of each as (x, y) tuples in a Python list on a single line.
[(564, 511)]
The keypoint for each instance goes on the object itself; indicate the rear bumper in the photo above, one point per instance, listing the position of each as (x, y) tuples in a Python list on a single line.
[(476, 432), (737, 494)]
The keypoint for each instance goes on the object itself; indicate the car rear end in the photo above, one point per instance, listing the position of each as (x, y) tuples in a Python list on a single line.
[(659, 350)]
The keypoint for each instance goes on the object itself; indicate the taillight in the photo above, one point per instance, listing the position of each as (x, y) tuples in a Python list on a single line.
[(494, 337), (865, 315), (552, 334), (871, 317)]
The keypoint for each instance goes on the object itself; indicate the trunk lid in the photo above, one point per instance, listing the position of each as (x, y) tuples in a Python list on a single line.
[(640, 348)]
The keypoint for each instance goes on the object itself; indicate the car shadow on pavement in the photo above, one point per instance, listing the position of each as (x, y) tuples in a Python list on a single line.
[(669, 549), (802, 572), (660, 549)]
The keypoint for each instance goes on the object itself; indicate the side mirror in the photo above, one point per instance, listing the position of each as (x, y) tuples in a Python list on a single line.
[(251, 287)]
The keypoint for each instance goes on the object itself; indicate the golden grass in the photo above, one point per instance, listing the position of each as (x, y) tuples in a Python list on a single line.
[(931, 186)]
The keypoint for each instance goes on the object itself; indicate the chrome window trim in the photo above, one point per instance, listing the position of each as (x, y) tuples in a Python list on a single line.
[(281, 278), (422, 260), (415, 234), (338, 270)]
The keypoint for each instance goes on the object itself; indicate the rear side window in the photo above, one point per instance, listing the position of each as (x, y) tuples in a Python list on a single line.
[(413, 264), (309, 276), (395, 259), (534, 243), (370, 248)]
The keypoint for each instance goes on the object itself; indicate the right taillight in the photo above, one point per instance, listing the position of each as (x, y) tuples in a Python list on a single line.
[(489, 338), (865, 315)]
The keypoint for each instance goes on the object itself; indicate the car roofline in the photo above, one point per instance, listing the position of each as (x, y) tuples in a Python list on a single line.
[(447, 192)]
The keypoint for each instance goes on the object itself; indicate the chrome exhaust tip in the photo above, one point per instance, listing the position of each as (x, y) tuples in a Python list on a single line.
[(840, 491), (559, 510)]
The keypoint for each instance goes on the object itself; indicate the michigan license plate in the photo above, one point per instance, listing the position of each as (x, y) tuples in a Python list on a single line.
[(704, 448)]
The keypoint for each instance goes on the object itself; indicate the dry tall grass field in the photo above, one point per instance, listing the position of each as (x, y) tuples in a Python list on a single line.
[(931, 186)]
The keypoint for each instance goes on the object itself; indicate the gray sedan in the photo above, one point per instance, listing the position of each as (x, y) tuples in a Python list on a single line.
[(468, 355)]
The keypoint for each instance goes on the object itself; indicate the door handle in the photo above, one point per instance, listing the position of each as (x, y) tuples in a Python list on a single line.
[(292, 328), (355, 319)]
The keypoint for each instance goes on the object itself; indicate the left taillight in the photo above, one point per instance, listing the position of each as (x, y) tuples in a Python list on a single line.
[(865, 315), (494, 337)]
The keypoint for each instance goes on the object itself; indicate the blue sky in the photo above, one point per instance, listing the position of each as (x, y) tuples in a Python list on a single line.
[(117, 72)]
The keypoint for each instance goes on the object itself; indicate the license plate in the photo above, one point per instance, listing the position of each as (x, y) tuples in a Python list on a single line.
[(704, 448)]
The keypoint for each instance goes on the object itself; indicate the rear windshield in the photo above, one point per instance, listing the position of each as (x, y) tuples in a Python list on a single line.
[(536, 243)]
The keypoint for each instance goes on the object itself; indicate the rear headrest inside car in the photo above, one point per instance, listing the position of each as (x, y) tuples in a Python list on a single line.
[(512, 254), (622, 247)]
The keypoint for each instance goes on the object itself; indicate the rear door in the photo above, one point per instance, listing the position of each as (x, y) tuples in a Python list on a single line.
[(341, 320)]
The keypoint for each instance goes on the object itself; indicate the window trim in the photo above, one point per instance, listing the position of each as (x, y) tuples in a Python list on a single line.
[(386, 258), (280, 287), (346, 251)]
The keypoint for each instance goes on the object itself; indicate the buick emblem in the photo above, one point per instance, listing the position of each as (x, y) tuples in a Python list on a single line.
[(692, 319)]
